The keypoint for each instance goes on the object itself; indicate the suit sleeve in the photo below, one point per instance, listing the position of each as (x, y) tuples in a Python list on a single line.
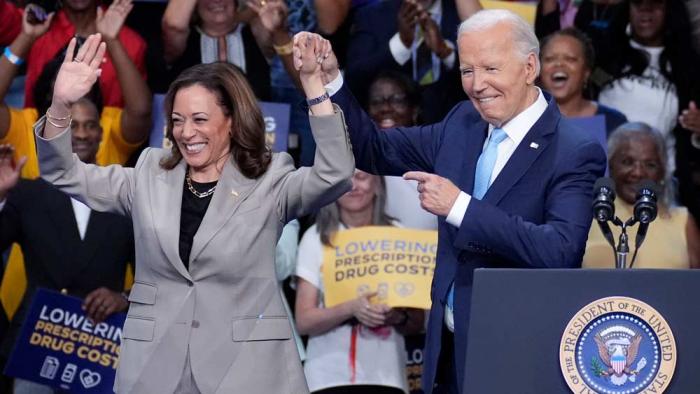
[(105, 189), (306, 189), (391, 151), (560, 241)]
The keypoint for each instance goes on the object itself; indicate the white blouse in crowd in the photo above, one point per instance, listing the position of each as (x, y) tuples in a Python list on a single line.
[(379, 361), (650, 98)]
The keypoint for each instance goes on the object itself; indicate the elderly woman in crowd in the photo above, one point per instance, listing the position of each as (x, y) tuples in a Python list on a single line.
[(205, 310), (356, 346), (568, 59), (637, 152)]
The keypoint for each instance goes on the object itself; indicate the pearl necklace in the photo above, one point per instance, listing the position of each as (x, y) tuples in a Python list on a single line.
[(195, 192)]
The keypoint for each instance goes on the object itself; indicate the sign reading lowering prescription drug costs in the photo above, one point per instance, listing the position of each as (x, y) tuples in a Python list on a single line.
[(59, 346)]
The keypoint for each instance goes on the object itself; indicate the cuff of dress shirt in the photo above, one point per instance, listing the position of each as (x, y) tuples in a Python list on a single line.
[(334, 86), (449, 61), (399, 51), (695, 140), (459, 208)]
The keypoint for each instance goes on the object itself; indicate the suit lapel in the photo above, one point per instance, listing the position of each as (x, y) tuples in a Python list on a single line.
[(94, 234), (166, 208), (475, 138), (232, 189), (530, 148), (61, 213)]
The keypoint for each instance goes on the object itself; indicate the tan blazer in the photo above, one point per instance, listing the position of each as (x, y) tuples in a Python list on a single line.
[(226, 311)]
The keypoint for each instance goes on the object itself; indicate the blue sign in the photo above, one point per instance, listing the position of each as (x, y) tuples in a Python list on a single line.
[(276, 116), (59, 346)]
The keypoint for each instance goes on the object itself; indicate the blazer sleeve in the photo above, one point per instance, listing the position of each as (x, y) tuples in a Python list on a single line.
[(105, 189), (392, 151), (306, 189), (560, 241)]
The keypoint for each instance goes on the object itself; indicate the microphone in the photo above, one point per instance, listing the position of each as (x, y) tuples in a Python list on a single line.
[(604, 207), (645, 209), (603, 203)]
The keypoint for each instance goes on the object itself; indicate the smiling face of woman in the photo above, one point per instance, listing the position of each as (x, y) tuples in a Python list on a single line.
[(361, 197), (635, 160), (647, 19), (564, 69), (201, 130), (216, 12), (389, 105)]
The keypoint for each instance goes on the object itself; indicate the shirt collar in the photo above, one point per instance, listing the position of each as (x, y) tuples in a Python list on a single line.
[(517, 128)]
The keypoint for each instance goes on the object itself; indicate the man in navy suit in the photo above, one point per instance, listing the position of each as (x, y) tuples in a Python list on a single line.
[(510, 183), (414, 37)]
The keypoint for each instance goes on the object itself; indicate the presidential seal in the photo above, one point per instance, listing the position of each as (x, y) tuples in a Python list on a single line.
[(617, 345)]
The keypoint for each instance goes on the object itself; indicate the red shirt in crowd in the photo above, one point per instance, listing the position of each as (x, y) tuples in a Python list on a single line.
[(56, 38)]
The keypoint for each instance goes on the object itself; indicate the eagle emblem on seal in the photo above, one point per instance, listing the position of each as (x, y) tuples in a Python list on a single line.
[(618, 347)]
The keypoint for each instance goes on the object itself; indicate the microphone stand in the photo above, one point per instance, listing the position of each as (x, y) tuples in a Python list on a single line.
[(623, 247)]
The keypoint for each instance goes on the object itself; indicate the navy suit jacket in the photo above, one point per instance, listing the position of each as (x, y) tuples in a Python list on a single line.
[(536, 214), (368, 53), (40, 218)]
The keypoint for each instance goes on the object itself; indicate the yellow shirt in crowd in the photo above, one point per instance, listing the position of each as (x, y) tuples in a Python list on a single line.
[(665, 245), (113, 150)]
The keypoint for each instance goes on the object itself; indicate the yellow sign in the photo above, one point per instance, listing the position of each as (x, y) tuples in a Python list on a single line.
[(526, 10), (618, 345), (397, 263)]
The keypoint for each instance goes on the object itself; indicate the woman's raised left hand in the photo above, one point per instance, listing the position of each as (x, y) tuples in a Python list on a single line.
[(78, 73)]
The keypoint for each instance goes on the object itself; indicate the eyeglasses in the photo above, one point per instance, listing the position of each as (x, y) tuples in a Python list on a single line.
[(395, 100)]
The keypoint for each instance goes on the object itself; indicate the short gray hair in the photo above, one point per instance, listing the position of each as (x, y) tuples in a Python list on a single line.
[(524, 37), (637, 130)]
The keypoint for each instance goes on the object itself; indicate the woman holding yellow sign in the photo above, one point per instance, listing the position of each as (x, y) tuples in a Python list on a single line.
[(355, 346)]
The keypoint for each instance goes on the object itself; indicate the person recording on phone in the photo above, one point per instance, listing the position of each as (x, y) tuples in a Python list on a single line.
[(637, 153)]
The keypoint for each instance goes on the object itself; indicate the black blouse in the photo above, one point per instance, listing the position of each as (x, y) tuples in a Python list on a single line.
[(191, 215)]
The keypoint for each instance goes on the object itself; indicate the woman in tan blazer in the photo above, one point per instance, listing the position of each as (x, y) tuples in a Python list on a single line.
[(205, 314)]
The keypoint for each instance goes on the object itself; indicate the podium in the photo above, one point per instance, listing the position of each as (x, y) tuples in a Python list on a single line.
[(519, 319)]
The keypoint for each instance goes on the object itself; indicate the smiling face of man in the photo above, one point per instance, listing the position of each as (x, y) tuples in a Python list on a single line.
[(495, 75)]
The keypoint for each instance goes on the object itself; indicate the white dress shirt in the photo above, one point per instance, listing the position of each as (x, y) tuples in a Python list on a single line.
[(82, 216), (402, 53)]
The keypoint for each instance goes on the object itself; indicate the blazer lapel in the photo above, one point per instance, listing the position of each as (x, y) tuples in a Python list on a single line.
[(232, 189), (530, 148), (166, 208)]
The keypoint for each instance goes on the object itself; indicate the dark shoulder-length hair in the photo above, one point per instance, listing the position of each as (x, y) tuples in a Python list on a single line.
[(236, 99)]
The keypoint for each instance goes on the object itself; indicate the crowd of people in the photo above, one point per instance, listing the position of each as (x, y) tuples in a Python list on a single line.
[(421, 114)]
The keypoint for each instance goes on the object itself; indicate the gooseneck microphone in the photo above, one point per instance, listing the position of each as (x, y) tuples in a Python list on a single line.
[(604, 206), (645, 211)]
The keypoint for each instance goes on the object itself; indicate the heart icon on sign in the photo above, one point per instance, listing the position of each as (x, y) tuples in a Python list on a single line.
[(89, 379), (404, 289)]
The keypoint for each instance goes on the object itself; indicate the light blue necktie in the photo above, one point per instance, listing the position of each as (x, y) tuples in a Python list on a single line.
[(482, 180)]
